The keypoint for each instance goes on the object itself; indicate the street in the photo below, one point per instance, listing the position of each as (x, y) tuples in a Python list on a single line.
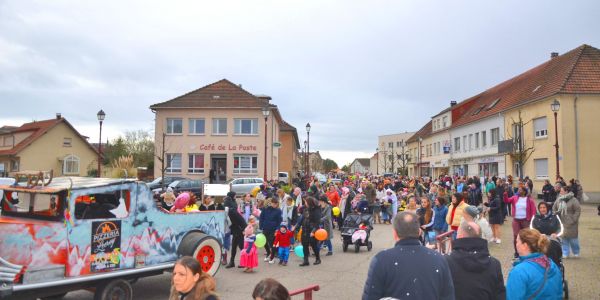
[(342, 275)]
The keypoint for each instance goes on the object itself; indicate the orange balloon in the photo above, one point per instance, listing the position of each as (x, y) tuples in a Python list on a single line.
[(321, 234)]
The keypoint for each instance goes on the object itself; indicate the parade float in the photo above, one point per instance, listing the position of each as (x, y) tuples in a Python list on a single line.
[(69, 233)]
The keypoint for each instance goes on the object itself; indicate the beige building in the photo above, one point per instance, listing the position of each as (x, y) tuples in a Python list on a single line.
[(46, 145), (288, 152), (219, 127), (392, 154)]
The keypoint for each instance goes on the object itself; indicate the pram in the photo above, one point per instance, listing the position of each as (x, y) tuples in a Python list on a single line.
[(555, 254), (351, 227)]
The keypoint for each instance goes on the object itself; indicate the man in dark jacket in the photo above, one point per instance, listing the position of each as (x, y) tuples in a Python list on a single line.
[(409, 270), (237, 227), (548, 193), (475, 196), (270, 219), (476, 275)]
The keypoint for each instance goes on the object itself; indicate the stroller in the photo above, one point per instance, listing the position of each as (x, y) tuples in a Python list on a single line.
[(353, 234), (555, 254)]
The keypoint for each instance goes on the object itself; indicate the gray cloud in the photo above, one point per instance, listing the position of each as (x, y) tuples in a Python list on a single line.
[(354, 70)]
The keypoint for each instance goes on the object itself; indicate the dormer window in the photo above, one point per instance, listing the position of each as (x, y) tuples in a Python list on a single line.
[(493, 104)]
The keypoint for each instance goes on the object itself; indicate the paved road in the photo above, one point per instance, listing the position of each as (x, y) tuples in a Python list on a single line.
[(342, 275)]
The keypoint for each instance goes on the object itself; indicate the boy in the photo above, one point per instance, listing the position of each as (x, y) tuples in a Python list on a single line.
[(283, 240)]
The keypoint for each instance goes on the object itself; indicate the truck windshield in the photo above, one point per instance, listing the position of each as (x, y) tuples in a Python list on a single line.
[(32, 205)]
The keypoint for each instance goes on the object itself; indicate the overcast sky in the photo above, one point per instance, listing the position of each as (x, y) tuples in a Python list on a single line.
[(353, 69)]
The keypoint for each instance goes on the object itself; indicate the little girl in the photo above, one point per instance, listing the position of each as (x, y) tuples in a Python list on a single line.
[(249, 257)]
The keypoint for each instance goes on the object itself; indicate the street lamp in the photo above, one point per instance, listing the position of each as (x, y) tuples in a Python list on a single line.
[(266, 112), (100, 116), (420, 155), (377, 157), (305, 158), (308, 148), (555, 106)]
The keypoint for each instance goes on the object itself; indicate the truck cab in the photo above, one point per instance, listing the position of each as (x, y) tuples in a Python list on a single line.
[(79, 232)]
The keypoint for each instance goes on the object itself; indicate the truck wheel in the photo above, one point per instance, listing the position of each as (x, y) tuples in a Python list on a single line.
[(118, 289), (204, 248)]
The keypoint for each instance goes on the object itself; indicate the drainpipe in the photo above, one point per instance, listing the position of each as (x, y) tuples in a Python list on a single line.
[(576, 138)]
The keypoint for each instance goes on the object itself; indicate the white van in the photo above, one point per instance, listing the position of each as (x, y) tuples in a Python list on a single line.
[(284, 178)]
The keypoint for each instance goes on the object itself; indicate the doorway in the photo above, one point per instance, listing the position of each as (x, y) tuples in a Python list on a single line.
[(218, 162)]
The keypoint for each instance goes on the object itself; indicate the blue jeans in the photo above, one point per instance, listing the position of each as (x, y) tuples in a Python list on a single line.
[(328, 244), (573, 243), (284, 254)]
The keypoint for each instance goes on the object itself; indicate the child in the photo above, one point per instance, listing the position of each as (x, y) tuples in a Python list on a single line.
[(361, 233), (249, 257), (168, 198), (282, 240)]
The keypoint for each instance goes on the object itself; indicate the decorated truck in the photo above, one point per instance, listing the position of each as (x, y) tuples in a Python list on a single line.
[(97, 234)]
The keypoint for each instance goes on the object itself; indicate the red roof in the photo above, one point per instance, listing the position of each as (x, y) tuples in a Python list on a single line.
[(577, 71), (38, 129)]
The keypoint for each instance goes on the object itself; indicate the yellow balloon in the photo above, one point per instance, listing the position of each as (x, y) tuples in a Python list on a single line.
[(336, 211), (255, 191)]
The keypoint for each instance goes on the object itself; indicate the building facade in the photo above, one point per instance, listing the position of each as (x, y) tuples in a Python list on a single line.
[(289, 156), (360, 165), (392, 154), (220, 127), (46, 145)]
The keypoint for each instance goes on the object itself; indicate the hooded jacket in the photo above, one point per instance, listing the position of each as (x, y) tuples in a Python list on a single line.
[(568, 209), (476, 275), (527, 276)]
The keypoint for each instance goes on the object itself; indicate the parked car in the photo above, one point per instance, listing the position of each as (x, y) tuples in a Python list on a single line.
[(156, 183), (244, 185), (96, 233), (283, 178)]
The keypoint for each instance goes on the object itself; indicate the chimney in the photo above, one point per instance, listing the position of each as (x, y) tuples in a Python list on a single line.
[(553, 54), (58, 116), (452, 103)]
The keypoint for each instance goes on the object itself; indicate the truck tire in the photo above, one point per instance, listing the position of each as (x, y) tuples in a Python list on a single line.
[(206, 249), (117, 289)]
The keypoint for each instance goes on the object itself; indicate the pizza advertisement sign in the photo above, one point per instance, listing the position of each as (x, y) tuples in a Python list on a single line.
[(106, 246)]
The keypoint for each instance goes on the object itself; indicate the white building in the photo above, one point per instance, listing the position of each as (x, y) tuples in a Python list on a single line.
[(392, 153), (360, 165)]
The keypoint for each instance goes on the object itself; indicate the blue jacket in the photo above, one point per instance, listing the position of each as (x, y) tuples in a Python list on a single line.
[(408, 270), (439, 221), (270, 219), (527, 276)]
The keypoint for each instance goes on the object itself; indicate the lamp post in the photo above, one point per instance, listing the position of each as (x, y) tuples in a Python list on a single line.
[(266, 111), (420, 155), (308, 149), (555, 106), (377, 156), (305, 158), (100, 116)]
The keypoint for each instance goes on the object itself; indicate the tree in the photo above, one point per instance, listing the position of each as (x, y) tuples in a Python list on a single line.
[(329, 164), (140, 145), (346, 168), (522, 150), (114, 150)]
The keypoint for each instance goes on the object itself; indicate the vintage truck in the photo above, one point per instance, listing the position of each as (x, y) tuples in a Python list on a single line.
[(98, 234)]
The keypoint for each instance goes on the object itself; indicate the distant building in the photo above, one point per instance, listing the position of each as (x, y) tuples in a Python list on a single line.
[(46, 145), (289, 156), (361, 165), (220, 127), (316, 162), (392, 154)]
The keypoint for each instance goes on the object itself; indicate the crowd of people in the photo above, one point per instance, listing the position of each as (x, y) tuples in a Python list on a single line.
[(470, 209)]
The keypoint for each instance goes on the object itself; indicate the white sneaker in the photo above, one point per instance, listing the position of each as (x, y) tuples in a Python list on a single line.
[(498, 241), (576, 255), (266, 259), (272, 261)]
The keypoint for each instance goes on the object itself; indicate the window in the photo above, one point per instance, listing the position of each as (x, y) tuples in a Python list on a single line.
[(464, 143), (196, 163), (14, 165), (398, 144), (477, 140), (457, 144), (541, 168), (174, 126), (540, 127), (246, 126), (7, 141), (71, 165), (36, 205), (219, 126), (493, 104), (391, 145), (478, 110), (173, 163), (105, 205), (444, 121), (196, 126), (483, 139), (245, 164), (495, 133), (470, 142), (67, 142)]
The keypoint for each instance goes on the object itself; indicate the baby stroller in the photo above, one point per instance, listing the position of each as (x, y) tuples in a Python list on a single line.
[(555, 254), (356, 231)]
